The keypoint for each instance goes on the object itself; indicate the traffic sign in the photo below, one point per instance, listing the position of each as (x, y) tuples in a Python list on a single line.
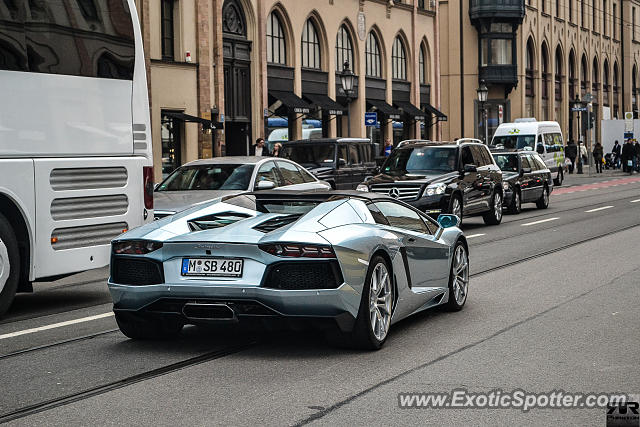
[(370, 119), (628, 135), (628, 121), (579, 109)]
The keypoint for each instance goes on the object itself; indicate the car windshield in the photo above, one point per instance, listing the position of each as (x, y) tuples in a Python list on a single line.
[(515, 142), (419, 159), (507, 162), (312, 155), (208, 177)]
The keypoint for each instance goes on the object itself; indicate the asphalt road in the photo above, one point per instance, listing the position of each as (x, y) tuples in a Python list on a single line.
[(554, 304)]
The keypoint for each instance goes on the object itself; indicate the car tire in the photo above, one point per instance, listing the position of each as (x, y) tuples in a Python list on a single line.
[(138, 328), (494, 215), (558, 179), (516, 202), (365, 335), (543, 201), (458, 278), (455, 203), (9, 265)]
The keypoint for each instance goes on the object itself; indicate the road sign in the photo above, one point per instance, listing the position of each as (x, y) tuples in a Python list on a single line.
[(370, 119), (628, 135), (221, 118), (628, 121), (579, 109)]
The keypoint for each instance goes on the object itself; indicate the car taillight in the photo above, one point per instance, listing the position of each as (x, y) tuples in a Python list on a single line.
[(147, 182), (299, 251), (135, 247)]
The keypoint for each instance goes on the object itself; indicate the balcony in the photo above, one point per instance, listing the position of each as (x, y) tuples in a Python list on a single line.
[(497, 10), (500, 74)]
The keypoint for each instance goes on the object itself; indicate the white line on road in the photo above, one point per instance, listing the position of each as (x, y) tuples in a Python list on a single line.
[(599, 209), (56, 325), (539, 222), (476, 235), (635, 201)]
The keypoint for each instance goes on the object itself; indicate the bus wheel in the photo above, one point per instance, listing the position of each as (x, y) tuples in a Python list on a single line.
[(9, 265)]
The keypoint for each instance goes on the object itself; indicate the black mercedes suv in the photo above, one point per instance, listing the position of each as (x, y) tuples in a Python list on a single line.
[(459, 178)]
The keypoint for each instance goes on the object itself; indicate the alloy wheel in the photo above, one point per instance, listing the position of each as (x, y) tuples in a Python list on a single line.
[(497, 206), (456, 208), (545, 196), (517, 203), (380, 299), (460, 274), (5, 267)]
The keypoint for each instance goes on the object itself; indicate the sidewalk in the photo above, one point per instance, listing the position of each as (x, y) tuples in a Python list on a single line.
[(584, 178)]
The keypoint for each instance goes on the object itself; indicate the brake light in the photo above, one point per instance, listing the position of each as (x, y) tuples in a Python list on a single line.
[(147, 182), (299, 251), (135, 247)]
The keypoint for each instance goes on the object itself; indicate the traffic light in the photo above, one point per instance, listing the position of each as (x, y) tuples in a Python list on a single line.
[(592, 123)]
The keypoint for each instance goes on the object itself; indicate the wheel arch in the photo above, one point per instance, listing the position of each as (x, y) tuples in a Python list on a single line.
[(385, 255), (11, 209)]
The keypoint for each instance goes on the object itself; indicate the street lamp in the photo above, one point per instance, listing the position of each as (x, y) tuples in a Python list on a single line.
[(347, 80), (578, 106), (483, 92)]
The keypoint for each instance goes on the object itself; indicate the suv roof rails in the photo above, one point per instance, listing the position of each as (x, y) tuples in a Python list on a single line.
[(475, 140)]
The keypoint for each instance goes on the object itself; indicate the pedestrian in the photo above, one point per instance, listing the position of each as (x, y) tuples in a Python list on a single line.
[(636, 152), (388, 147), (598, 152), (277, 150), (571, 152), (627, 154), (259, 149), (583, 153), (616, 155)]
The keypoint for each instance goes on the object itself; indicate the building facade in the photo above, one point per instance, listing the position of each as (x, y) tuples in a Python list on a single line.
[(536, 57), (245, 67)]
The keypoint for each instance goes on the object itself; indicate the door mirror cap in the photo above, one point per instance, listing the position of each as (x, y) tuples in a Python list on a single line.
[(468, 168), (265, 185), (525, 170), (448, 220), (540, 149)]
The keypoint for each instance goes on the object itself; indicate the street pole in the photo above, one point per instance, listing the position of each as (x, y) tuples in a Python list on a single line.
[(349, 116), (579, 164), (486, 124), (589, 156)]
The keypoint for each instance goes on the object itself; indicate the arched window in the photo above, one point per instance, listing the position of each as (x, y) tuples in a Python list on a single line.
[(529, 79), (372, 56), (344, 49), (595, 82), (310, 46), (558, 75), (422, 64), (399, 60), (276, 43), (545, 82), (634, 88), (584, 79), (605, 84), (616, 92), (572, 76)]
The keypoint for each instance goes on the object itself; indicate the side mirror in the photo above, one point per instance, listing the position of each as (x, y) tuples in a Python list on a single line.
[(468, 168), (265, 185), (342, 162), (155, 186), (540, 149), (448, 220), (524, 170)]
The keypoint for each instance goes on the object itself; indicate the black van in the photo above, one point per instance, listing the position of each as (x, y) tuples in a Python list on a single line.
[(342, 162)]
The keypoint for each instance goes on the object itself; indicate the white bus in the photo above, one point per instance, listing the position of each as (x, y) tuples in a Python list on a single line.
[(75, 137)]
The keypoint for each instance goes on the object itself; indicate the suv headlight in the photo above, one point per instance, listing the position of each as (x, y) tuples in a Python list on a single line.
[(505, 185), (434, 189), (362, 187)]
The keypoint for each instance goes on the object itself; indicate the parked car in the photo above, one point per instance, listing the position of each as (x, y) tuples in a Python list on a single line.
[(460, 178), (525, 179), (545, 138), (342, 162), (352, 263), (282, 135), (203, 180)]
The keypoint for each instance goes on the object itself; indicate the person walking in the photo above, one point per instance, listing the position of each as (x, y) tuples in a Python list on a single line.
[(598, 152), (636, 152), (571, 152), (627, 154), (616, 155), (583, 153), (277, 150), (259, 149), (388, 147)]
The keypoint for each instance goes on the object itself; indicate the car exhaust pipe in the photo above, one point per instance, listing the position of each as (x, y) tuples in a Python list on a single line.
[(208, 312)]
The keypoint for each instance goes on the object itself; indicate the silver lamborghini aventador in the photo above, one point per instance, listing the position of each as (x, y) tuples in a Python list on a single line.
[(352, 263)]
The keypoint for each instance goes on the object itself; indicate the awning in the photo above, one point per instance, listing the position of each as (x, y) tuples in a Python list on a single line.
[(439, 114), (411, 110), (207, 124), (326, 103), (383, 108), (292, 101)]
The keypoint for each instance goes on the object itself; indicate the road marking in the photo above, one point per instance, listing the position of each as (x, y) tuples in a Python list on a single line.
[(476, 235), (635, 201), (599, 209), (539, 222), (56, 325)]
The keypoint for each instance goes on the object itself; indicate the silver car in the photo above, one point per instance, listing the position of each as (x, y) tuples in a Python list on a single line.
[(204, 180), (352, 263)]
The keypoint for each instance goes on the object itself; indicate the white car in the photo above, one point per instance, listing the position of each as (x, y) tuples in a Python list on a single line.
[(203, 180)]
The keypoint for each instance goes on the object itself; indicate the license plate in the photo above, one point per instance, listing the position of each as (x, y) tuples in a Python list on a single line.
[(212, 267)]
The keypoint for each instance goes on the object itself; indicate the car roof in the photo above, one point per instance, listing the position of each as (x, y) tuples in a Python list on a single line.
[(230, 160), (317, 194), (327, 141), (445, 144)]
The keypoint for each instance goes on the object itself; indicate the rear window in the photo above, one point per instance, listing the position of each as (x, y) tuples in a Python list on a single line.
[(312, 155), (507, 162), (208, 177), (268, 205)]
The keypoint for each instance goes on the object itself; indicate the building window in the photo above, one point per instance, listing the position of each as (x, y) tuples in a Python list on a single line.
[(529, 79), (604, 17), (399, 60), (344, 49), (558, 75), (605, 85), (170, 134), (167, 29), (310, 46), (633, 23), (545, 83), (372, 56), (543, 4), (594, 27), (496, 45), (421, 64), (276, 43), (616, 92), (584, 81), (570, 2), (582, 14), (615, 24), (558, 8), (572, 77), (595, 86)]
